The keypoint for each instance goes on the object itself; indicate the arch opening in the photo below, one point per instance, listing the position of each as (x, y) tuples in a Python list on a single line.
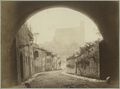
[(63, 37)]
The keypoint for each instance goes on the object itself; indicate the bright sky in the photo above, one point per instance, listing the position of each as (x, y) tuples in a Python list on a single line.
[(47, 21)]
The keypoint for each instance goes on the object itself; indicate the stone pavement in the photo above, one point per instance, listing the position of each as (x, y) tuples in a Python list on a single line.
[(84, 78), (58, 79)]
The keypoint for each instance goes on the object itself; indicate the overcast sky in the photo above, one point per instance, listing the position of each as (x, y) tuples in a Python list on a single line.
[(46, 23)]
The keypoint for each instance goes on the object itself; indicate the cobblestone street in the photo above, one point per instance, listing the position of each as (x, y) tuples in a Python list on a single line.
[(56, 79)]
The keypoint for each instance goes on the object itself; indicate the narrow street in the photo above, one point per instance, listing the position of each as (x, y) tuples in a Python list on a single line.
[(56, 79)]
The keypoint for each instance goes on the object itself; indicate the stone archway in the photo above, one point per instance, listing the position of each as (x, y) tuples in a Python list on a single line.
[(15, 13)]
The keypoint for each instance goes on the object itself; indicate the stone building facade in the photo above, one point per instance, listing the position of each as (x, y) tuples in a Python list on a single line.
[(44, 60), (39, 59), (85, 62), (24, 53), (31, 58)]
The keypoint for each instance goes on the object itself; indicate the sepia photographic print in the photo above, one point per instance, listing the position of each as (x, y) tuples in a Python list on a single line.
[(59, 44)]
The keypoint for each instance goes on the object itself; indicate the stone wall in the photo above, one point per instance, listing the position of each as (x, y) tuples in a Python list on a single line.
[(71, 66), (86, 62)]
